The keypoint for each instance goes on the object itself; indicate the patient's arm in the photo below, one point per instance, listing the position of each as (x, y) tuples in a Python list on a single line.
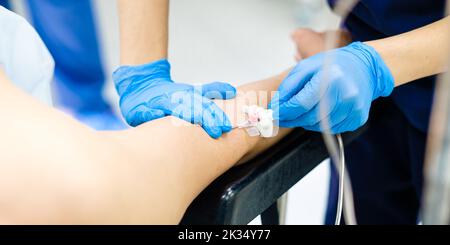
[(54, 170)]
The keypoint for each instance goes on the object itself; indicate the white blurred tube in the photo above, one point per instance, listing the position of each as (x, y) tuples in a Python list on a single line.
[(436, 201), (315, 14), (336, 149)]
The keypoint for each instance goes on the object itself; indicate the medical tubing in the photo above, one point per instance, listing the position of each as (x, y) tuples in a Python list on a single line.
[(341, 181), (349, 208), (336, 149), (436, 198)]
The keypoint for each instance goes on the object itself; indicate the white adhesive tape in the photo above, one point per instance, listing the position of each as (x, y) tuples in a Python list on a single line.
[(259, 121)]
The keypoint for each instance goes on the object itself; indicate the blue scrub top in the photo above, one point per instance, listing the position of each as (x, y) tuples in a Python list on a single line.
[(376, 19)]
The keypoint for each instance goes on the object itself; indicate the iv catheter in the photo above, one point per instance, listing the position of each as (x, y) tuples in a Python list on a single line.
[(259, 121)]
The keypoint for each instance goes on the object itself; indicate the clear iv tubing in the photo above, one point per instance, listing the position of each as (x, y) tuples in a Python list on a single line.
[(436, 202), (334, 144), (341, 180)]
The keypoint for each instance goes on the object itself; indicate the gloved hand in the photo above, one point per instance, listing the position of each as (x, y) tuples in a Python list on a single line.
[(147, 93), (356, 76)]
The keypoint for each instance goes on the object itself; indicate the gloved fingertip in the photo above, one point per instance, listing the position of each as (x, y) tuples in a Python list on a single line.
[(213, 132), (134, 122), (226, 128), (230, 93), (142, 114), (225, 86), (156, 114)]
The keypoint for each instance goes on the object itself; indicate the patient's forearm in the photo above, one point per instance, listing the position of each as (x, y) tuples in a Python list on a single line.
[(53, 170), (188, 159)]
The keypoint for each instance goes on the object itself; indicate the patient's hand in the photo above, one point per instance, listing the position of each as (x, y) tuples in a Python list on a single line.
[(309, 42)]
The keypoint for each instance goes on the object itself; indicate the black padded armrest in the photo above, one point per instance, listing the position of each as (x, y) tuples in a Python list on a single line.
[(244, 192)]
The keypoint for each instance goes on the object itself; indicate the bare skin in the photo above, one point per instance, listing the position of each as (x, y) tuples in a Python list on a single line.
[(143, 30), (54, 170), (309, 42), (410, 56), (416, 54)]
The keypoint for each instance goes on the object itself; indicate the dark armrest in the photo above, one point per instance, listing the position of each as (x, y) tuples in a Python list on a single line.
[(244, 192)]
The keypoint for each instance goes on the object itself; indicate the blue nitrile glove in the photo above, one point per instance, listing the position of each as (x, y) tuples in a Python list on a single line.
[(147, 93), (356, 76)]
